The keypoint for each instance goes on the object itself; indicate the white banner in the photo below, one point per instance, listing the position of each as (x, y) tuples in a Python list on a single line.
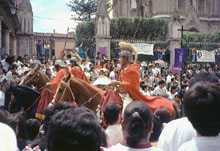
[(205, 56), (144, 49)]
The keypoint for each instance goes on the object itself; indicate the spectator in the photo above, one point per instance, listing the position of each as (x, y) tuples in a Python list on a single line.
[(32, 127), (112, 118), (201, 105), (181, 130), (137, 126), (74, 129), (160, 90), (7, 138), (161, 118), (173, 92)]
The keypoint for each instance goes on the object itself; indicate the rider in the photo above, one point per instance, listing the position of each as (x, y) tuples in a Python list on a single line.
[(77, 71), (62, 71), (129, 79)]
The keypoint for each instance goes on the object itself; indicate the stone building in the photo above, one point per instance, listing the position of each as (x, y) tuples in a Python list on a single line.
[(206, 13), (54, 42), (194, 15), (8, 26), (25, 39)]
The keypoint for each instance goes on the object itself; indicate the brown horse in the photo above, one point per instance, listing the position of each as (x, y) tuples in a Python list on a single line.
[(84, 93), (35, 78)]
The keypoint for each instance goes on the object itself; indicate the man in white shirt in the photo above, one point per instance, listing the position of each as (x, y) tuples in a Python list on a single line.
[(201, 105), (112, 117), (160, 90), (175, 133), (8, 140)]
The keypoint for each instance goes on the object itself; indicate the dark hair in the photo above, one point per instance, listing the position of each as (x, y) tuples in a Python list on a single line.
[(51, 110), (204, 76), (161, 82), (32, 127), (111, 113), (137, 121), (74, 129), (163, 115), (201, 105)]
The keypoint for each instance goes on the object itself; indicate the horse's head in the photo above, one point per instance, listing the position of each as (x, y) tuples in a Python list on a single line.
[(64, 93), (35, 77)]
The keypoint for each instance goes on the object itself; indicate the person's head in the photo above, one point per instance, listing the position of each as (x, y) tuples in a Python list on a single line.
[(137, 123), (112, 114), (74, 129), (201, 106), (13, 68), (52, 110), (173, 89), (32, 127), (162, 83), (163, 115), (126, 54), (204, 77)]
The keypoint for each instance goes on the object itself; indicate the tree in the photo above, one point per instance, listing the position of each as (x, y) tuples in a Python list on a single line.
[(84, 9)]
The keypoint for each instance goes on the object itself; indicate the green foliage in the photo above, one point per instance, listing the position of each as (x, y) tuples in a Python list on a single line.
[(127, 29), (139, 28), (84, 9), (85, 34), (201, 40)]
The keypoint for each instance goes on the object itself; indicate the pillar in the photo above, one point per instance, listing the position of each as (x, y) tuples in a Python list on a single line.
[(7, 41), (174, 39), (14, 50), (0, 34)]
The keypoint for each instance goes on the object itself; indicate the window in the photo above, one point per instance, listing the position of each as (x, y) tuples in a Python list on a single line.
[(181, 5), (201, 7)]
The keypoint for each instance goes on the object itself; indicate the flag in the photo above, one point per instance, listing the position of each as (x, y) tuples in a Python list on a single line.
[(180, 58), (18, 2)]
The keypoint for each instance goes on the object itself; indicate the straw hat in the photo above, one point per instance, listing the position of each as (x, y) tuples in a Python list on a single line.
[(125, 46), (60, 63)]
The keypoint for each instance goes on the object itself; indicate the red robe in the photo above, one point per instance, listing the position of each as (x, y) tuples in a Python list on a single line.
[(55, 82), (130, 79), (78, 73)]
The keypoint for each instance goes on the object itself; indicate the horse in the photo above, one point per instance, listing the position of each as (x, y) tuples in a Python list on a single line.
[(39, 80), (22, 98), (35, 78)]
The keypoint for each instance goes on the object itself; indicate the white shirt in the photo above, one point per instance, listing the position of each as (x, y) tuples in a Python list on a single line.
[(160, 91), (199, 143), (2, 98), (8, 140), (175, 133), (114, 134), (9, 76), (112, 75), (120, 147)]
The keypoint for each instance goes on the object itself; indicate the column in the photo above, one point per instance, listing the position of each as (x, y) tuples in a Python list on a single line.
[(14, 50), (7, 41), (0, 33)]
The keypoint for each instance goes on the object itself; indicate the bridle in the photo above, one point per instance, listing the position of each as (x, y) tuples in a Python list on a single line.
[(67, 87)]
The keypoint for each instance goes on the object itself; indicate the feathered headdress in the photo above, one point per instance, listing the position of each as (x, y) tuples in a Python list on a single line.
[(125, 46)]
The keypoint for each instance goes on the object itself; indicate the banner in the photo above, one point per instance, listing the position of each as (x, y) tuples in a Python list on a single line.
[(217, 56), (144, 49), (205, 56), (180, 58), (103, 51)]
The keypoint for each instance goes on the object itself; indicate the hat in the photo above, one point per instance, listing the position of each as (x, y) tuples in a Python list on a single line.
[(124, 46), (60, 63), (102, 80)]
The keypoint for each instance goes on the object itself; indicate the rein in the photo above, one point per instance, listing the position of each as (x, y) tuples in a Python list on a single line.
[(90, 99), (66, 84)]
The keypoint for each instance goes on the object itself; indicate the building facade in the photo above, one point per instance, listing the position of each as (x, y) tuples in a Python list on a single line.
[(25, 37), (54, 43), (206, 12), (9, 24)]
